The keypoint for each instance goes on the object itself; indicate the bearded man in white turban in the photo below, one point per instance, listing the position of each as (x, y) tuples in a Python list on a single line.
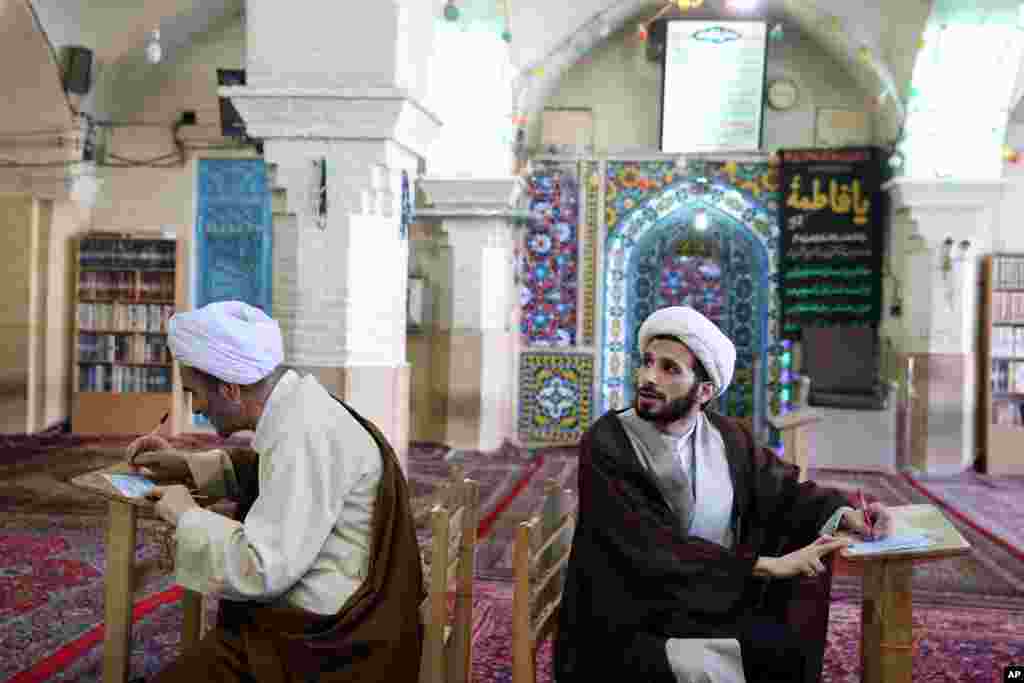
[(681, 514), (320, 576)]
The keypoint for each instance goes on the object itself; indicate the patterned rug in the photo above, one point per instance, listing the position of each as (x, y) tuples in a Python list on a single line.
[(990, 576), (995, 504), (953, 646), (51, 582), (968, 612)]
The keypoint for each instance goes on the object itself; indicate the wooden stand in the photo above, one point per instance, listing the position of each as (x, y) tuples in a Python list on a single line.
[(796, 442), (887, 640), (119, 582)]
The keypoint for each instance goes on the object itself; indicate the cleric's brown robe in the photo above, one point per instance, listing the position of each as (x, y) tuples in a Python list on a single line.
[(376, 636), (635, 578)]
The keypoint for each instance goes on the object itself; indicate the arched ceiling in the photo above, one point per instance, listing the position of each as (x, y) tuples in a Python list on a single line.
[(877, 45), (544, 34), (30, 80)]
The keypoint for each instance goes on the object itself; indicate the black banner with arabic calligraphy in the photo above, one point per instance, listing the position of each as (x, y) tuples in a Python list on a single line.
[(832, 238)]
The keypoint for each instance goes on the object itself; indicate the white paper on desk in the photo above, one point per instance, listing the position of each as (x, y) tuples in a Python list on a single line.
[(130, 485), (891, 544)]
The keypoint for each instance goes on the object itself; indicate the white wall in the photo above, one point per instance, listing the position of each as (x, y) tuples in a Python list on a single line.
[(624, 90)]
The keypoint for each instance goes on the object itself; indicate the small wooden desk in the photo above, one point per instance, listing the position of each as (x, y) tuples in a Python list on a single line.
[(886, 642), (120, 576), (796, 438)]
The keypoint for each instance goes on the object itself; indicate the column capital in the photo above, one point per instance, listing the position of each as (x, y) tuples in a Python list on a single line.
[(927, 195), (472, 197), (336, 113)]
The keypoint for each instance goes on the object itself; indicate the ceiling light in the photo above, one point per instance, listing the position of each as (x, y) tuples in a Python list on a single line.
[(154, 52), (700, 221)]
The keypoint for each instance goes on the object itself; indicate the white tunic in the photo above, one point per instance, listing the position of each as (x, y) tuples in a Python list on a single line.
[(305, 542)]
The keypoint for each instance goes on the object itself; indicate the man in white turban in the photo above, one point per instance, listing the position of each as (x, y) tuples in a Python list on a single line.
[(320, 574), (682, 515)]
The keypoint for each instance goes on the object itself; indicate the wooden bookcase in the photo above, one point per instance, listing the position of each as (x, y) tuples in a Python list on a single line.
[(127, 286), (1001, 365)]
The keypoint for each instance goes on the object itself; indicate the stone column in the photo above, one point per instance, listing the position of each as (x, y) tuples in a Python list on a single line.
[(477, 313), (325, 85), (939, 328)]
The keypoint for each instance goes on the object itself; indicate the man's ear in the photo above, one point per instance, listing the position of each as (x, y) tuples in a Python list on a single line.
[(706, 392), (230, 391)]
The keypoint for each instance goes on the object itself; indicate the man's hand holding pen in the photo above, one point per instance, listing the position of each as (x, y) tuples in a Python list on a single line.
[(872, 521)]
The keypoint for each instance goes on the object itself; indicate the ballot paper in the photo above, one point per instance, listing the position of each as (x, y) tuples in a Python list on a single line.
[(130, 485), (890, 544)]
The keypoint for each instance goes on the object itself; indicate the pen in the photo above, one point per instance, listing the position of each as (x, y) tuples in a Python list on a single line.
[(867, 515), (156, 429), (162, 420)]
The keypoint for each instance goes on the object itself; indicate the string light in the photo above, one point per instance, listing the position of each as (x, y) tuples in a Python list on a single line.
[(451, 11), (506, 34)]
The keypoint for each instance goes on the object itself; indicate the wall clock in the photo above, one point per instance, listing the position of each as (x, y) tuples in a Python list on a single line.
[(783, 94)]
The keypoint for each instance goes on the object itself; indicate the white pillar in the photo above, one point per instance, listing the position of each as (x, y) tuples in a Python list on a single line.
[(324, 83), (476, 319), (940, 321)]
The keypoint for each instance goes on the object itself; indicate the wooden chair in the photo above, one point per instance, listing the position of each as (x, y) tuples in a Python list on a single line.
[(540, 554), (450, 558)]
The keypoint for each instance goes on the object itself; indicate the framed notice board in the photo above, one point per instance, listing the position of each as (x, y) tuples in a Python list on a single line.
[(832, 238)]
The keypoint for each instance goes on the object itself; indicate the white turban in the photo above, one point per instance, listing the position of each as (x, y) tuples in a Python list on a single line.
[(231, 340), (713, 349)]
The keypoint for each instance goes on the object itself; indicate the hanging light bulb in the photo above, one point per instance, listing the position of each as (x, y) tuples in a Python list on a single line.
[(451, 11), (154, 52), (700, 221)]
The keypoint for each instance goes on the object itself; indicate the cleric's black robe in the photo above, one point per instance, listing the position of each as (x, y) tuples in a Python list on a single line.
[(635, 574)]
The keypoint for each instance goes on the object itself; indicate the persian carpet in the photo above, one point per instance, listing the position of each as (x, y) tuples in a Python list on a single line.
[(51, 584), (994, 504), (953, 645), (990, 576)]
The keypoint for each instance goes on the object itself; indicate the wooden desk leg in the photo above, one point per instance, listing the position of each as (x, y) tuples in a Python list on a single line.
[(795, 448), (887, 641), (119, 589), (192, 619)]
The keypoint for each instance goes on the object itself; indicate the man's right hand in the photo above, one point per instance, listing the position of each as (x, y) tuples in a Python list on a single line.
[(146, 443), (806, 561), (164, 465)]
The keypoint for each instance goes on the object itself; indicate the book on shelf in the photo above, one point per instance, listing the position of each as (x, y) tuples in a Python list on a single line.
[(120, 379), (124, 317), (128, 253), (126, 285)]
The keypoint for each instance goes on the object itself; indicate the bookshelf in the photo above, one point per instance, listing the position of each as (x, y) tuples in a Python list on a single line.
[(127, 286), (1001, 365)]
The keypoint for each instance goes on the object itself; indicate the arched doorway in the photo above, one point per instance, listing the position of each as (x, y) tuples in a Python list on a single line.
[(655, 257)]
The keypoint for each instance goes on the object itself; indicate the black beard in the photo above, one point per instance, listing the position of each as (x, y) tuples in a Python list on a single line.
[(674, 410)]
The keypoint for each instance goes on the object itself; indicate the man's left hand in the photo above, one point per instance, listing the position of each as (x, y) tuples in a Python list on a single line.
[(171, 502), (881, 521)]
